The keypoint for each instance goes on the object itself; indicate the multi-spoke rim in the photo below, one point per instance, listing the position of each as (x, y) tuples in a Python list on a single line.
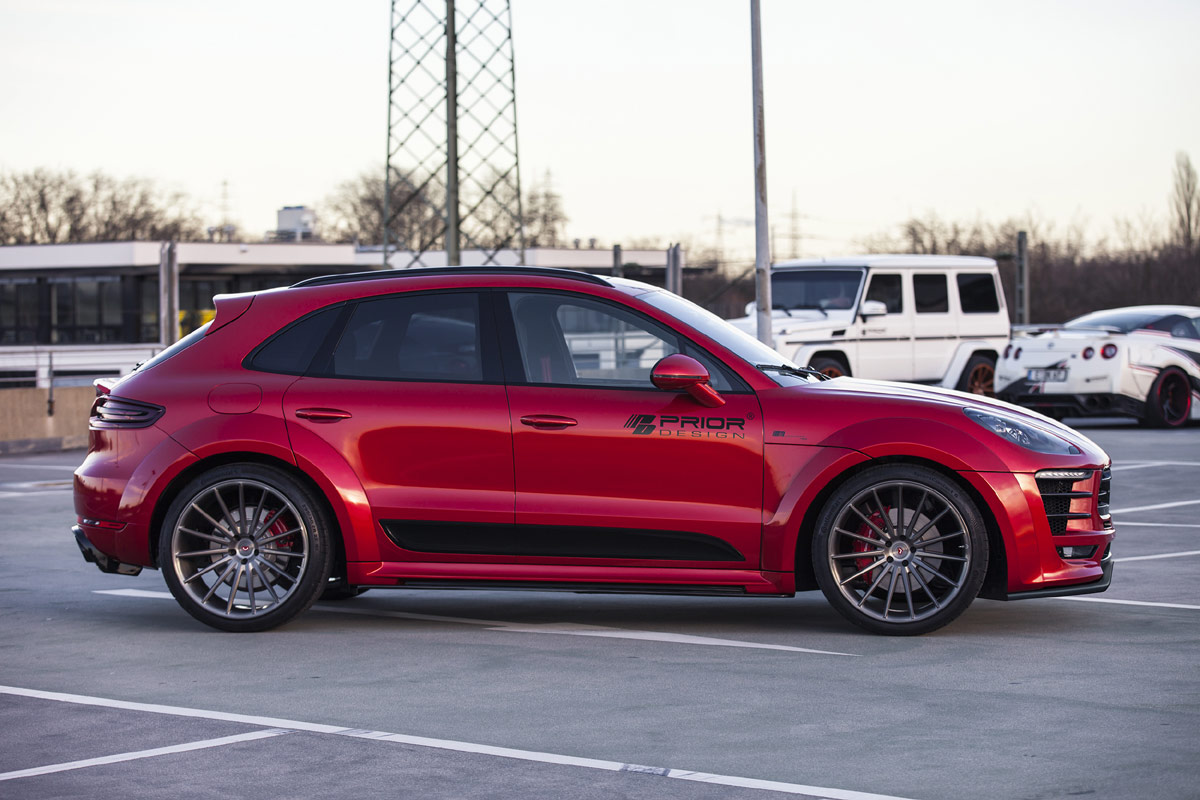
[(899, 551), (240, 548), (982, 380)]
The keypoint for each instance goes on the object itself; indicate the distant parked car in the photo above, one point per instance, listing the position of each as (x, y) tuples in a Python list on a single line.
[(1139, 361), (924, 319)]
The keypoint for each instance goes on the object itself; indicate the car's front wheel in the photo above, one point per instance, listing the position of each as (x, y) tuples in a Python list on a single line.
[(900, 549), (246, 547)]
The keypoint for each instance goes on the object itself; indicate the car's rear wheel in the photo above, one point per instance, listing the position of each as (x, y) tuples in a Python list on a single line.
[(245, 547), (900, 549), (979, 377), (1169, 404)]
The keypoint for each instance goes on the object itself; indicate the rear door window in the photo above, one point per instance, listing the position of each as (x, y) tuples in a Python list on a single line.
[(977, 293), (413, 337), (929, 294)]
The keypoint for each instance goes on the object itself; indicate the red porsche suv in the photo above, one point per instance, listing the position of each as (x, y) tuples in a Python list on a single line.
[(535, 428)]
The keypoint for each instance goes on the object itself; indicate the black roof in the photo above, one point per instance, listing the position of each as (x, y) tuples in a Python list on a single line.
[(379, 274)]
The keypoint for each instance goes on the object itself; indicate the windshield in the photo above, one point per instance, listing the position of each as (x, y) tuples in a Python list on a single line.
[(826, 289), (741, 343), (1123, 319)]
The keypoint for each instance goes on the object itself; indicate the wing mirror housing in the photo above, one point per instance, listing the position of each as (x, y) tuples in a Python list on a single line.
[(873, 308), (680, 373)]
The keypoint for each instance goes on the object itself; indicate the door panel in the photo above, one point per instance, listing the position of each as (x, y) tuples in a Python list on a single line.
[(885, 347), (643, 461)]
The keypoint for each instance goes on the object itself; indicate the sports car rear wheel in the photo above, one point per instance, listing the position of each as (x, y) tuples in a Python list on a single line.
[(245, 547), (900, 549), (1169, 404)]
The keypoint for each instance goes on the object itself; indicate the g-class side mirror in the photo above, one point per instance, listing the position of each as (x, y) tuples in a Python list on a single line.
[(680, 373), (873, 308)]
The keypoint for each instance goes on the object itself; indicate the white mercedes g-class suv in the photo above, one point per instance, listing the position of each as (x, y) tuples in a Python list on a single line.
[(925, 319)]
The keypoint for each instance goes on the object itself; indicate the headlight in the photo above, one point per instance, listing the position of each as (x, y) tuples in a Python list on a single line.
[(1022, 433)]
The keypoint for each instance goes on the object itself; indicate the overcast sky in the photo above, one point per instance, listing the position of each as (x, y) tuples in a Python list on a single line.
[(1070, 109)]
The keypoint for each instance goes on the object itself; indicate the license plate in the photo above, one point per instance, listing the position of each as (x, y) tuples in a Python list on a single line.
[(1047, 375)]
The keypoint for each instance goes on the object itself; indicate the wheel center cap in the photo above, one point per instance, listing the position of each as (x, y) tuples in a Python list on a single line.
[(900, 551), (245, 548)]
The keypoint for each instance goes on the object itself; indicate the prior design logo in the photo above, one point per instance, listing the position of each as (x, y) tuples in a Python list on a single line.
[(689, 427)]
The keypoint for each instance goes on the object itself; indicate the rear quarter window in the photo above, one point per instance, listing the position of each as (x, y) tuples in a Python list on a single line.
[(977, 293), (291, 350)]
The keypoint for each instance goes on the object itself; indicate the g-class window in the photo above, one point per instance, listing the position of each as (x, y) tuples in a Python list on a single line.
[(929, 294), (977, 293), (886, 289)]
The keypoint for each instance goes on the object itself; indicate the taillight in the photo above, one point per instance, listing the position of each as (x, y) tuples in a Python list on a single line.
[(1109, 350), (1088, 352), (117, 412), (1008, 351)]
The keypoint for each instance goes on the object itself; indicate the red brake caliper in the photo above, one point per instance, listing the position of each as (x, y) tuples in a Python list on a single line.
[(860, 546)]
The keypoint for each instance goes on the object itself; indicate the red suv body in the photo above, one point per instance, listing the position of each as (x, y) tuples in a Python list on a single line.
[(514, 427)]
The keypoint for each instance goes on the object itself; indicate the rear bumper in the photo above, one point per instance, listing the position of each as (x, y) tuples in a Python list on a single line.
[(1025, 394), (106, 563)]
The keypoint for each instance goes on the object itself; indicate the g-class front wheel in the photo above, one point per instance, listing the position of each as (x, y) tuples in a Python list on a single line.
[(900, 549), (245, 547)]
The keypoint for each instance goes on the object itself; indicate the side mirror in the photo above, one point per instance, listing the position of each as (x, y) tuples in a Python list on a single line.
[(680, 373), (751, 308), (873, 308)]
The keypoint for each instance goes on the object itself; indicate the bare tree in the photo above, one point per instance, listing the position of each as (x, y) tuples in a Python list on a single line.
[(544, 215), (1185, 203), (52, 207), (354, 212)]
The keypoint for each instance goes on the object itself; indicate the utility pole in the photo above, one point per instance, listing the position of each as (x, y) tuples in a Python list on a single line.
[(1022, 278), (452, 219), (762, 264)]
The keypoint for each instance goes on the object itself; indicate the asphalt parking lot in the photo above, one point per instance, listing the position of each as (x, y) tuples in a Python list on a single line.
[(111, 690)]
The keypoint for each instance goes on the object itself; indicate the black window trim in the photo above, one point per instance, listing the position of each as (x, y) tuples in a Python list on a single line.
[(514, 366)]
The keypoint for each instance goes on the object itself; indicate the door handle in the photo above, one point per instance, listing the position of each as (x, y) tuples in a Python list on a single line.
[(547, 422), (322, 414)]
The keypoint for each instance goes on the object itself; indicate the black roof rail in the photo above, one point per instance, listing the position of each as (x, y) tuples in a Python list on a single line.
[(379, 274)]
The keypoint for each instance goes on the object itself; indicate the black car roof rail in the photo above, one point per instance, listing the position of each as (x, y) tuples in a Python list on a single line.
[(379, 274)]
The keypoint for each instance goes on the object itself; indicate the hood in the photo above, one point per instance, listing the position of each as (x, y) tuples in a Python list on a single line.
[(823, 410), (808, 322)]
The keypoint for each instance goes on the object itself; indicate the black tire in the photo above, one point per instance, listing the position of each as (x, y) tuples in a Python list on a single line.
[(979, 376), (900, 549), (833, 367), (246, 547), (1169, 403)]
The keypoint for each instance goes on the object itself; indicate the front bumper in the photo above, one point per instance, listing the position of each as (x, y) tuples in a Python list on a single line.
[(93, 555), (1094, 587)]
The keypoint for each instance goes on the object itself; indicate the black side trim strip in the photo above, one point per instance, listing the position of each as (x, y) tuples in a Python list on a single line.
[(581, 587), (556, 540)]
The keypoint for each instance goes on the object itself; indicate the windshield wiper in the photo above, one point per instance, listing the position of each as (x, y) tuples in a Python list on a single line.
[(789, 309), (803, 372)]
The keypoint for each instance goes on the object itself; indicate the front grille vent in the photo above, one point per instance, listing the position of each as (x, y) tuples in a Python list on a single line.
[(1057, 495), (117, 412), (1102, 497)]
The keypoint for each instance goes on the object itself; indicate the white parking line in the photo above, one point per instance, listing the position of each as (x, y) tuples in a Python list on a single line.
[(158, 751), (1156, 506), (1160, 555), (565, 628), (1160, 524), (23, 467), (1144, 465), (1114, 601), (455, 746)]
